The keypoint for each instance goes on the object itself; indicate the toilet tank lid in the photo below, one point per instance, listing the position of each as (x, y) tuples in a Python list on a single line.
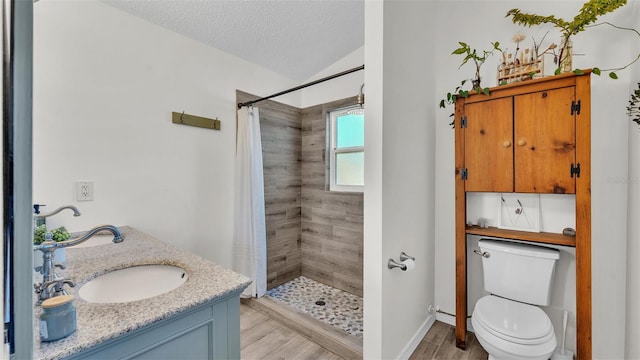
[(519, 249)]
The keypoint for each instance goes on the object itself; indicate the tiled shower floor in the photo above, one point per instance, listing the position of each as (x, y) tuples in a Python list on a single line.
[(341, 309)]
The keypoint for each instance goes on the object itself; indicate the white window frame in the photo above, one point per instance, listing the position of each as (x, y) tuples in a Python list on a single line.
[(332, 140)]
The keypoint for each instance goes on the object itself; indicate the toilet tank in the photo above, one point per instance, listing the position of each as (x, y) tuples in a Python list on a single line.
[(518, 271)]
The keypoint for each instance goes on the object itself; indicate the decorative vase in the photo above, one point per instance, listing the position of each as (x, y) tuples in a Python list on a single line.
[(566, 64)]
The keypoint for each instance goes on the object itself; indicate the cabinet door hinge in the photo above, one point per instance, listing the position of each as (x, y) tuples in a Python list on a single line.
[(575, 170), (464, 173), (575, 107), (463, 122)]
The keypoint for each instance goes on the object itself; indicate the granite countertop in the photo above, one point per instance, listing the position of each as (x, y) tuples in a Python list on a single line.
[(100, 322)]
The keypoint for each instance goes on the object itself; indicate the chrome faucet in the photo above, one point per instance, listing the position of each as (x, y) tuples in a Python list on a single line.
[(76, 212), (52, 284)]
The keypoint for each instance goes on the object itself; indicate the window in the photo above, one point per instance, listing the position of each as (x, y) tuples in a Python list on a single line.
[(346, 149)]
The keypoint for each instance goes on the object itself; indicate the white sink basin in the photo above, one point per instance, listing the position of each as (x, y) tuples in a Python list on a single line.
[(133, 283)]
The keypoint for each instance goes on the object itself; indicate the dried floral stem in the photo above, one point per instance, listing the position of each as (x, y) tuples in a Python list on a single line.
[(536, 46)]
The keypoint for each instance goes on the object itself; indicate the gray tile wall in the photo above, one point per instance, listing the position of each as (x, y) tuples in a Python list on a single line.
[(332, 222), (310, 231)]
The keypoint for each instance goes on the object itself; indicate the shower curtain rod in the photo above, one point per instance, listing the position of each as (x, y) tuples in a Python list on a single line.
[(248, 103)]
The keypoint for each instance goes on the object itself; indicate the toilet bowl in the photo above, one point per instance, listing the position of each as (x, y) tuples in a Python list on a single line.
[(508, 323), (509, 329)]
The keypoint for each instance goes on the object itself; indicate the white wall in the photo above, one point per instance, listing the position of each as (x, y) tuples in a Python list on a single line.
[(373, 257), (338, 88), (105, 84), (603, 47), (556, 211), (632, 345), (399, 184), (609, 155)]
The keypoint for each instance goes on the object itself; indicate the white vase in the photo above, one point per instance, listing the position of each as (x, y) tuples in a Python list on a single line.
[(566, 63)]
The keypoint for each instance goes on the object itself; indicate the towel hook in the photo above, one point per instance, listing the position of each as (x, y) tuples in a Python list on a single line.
[(182, 117)]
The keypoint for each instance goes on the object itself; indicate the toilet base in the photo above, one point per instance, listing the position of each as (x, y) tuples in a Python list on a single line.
[(491, 357), (491, 351), (501, 346), (499, 349)]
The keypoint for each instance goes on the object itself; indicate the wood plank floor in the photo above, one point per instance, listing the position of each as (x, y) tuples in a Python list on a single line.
[(265, 339), (440, 343), (329, 337)]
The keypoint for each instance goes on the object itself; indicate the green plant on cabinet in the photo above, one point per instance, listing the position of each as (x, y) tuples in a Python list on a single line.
[(585, 18), (478, 58)]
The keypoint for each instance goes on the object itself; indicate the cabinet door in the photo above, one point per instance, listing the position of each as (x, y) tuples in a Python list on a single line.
[(545, 142), (488, 150)]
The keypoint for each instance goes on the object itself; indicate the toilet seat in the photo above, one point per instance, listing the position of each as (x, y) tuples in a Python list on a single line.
[(508, 329), (513, 321)]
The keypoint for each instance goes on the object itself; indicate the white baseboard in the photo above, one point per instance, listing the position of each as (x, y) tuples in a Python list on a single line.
[(451, 320), (415, 340)]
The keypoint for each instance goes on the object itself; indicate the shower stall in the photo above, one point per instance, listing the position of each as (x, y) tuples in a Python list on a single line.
[(314, 236)]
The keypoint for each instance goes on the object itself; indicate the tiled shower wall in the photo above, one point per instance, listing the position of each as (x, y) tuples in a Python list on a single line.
[(331, 221), (310, 231)]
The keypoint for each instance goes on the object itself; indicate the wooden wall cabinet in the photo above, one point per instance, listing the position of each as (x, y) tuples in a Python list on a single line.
[(523, 143), (528, 137)]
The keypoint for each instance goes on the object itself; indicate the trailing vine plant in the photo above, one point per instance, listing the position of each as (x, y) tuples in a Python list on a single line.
[(587, 15), (478, 58), (633, 110), (596, 70)]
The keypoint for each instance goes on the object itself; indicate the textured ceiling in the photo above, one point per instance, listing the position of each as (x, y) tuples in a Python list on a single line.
[(295, 38)]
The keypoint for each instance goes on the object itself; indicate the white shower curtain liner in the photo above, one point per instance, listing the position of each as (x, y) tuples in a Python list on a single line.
[(250, 239)]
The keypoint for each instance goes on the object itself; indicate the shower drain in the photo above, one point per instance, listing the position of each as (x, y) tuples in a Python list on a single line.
[(321, 303)]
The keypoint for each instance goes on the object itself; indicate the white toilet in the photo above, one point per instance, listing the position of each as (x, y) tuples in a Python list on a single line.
[(507, 323)]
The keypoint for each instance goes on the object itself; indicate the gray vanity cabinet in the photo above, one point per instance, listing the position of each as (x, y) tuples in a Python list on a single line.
[(209, 331)]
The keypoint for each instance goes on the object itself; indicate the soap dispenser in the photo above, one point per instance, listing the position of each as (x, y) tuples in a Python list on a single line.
[(38, 220)]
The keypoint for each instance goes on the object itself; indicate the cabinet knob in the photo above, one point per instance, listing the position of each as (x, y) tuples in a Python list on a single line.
[(506, 143), (522, 142)]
